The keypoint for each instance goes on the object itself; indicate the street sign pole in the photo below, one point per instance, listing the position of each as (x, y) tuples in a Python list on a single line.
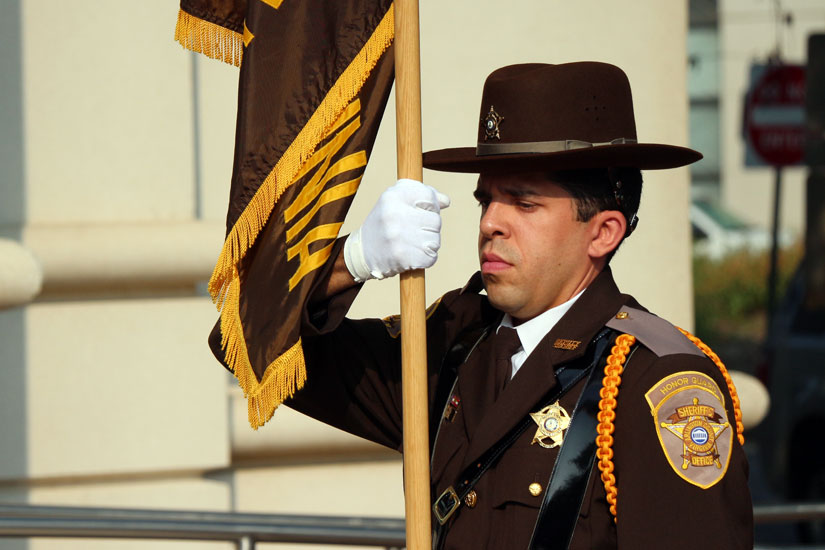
[(775, 136), (772, 274)]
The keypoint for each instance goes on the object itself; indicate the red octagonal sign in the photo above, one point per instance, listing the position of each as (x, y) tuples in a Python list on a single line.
[(775, 115)]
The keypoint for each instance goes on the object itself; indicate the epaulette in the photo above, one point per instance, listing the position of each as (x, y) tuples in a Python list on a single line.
[(653, 332)]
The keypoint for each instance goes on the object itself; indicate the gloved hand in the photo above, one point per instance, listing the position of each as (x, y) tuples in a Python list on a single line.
[(401, 232)]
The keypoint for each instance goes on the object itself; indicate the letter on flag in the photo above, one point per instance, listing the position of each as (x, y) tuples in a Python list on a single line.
[(315, 77)]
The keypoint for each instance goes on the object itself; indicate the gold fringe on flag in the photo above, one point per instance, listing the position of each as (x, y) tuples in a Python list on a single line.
[(211, 40), (282, 377), (287, 374)]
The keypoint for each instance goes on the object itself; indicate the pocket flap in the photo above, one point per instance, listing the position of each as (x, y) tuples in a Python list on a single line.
[(522, 475)]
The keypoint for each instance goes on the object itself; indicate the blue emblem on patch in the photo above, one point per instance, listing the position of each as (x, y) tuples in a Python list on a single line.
[(699, 435)]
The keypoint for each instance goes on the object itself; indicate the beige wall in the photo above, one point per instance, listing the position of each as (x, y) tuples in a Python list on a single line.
[(109, 395), (748, 34), (107, 113)]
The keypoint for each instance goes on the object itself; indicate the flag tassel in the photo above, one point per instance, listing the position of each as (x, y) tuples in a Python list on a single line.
[(213, 41)]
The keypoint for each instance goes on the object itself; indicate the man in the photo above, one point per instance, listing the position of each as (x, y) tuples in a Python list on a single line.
[(517, 412)]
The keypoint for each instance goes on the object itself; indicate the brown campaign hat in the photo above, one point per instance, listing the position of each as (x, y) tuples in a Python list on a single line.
[(572, 116)]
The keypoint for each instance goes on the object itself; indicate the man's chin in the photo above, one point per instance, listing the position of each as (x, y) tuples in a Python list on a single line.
[(498, 297)]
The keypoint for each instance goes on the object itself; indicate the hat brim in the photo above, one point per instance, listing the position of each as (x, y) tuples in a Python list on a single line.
[(644, 156)]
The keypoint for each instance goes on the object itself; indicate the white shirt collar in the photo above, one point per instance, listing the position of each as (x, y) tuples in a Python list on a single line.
[(531, 332)]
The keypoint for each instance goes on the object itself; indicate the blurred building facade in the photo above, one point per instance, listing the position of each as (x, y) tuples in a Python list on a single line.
[(117, 151), (725, 38)]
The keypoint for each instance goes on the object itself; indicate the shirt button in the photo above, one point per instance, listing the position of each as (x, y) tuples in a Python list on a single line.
[(535, 489), (471, 499)]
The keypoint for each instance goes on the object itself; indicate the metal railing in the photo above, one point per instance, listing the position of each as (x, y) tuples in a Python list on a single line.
[(788, 512), (245, 530)]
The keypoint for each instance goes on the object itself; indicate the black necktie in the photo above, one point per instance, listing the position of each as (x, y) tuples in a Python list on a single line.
[(505, 344)]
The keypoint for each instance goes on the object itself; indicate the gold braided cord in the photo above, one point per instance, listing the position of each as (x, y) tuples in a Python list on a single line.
[(737, 411), (287, 373), (607, 407), (208, 38), (607, 415)]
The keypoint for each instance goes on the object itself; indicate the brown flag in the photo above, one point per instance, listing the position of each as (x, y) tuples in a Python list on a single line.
[(314, 81)]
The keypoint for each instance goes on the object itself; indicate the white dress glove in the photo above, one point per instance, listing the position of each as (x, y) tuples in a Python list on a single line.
[(401, 232)]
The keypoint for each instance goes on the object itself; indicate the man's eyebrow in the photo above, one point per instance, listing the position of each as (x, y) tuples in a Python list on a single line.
[(519, 192)]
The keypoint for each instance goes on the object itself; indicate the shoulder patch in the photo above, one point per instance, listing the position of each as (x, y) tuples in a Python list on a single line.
[(655, 333), (691, 422)]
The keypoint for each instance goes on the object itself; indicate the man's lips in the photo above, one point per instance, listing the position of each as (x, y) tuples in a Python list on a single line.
[(492, 263)]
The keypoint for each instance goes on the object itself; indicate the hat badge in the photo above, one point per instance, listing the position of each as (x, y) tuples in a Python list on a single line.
[(491, 124)]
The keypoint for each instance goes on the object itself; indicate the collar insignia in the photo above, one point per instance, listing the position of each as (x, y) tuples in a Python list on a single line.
[(552, 421), (563, 343), (491, 125), (452, 408)]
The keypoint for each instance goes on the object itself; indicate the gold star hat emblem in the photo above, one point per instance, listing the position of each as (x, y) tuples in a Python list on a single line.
[(491, 125), (552, 421)]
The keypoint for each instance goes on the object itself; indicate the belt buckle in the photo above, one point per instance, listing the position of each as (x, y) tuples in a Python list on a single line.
[(446, 505)]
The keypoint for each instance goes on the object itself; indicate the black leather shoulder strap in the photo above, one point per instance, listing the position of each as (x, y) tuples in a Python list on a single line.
[(574, 464), (571, 473)]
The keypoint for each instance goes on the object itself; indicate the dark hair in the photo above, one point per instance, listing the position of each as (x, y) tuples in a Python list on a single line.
[(598, 190)]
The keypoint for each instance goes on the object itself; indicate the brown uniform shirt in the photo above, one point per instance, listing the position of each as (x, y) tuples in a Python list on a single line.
[(354, 383)]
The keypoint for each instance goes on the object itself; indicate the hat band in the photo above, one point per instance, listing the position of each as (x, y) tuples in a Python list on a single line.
[(527, 147)]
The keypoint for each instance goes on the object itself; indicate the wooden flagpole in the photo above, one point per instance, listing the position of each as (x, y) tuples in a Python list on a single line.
[(414, 337)]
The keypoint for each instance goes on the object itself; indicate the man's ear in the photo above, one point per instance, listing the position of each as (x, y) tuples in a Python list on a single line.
[(609, 227)]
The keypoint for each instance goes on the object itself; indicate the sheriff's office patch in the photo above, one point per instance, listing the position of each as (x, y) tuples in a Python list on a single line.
[(692, 425)]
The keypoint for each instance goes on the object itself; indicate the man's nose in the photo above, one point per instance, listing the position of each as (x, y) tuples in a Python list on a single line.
[(493, 221)]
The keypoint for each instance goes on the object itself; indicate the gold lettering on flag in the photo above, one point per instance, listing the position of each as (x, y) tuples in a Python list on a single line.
[(247, 35), (314, 196), (340, 191), (323, 156), (274, 3), (310, 262)]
